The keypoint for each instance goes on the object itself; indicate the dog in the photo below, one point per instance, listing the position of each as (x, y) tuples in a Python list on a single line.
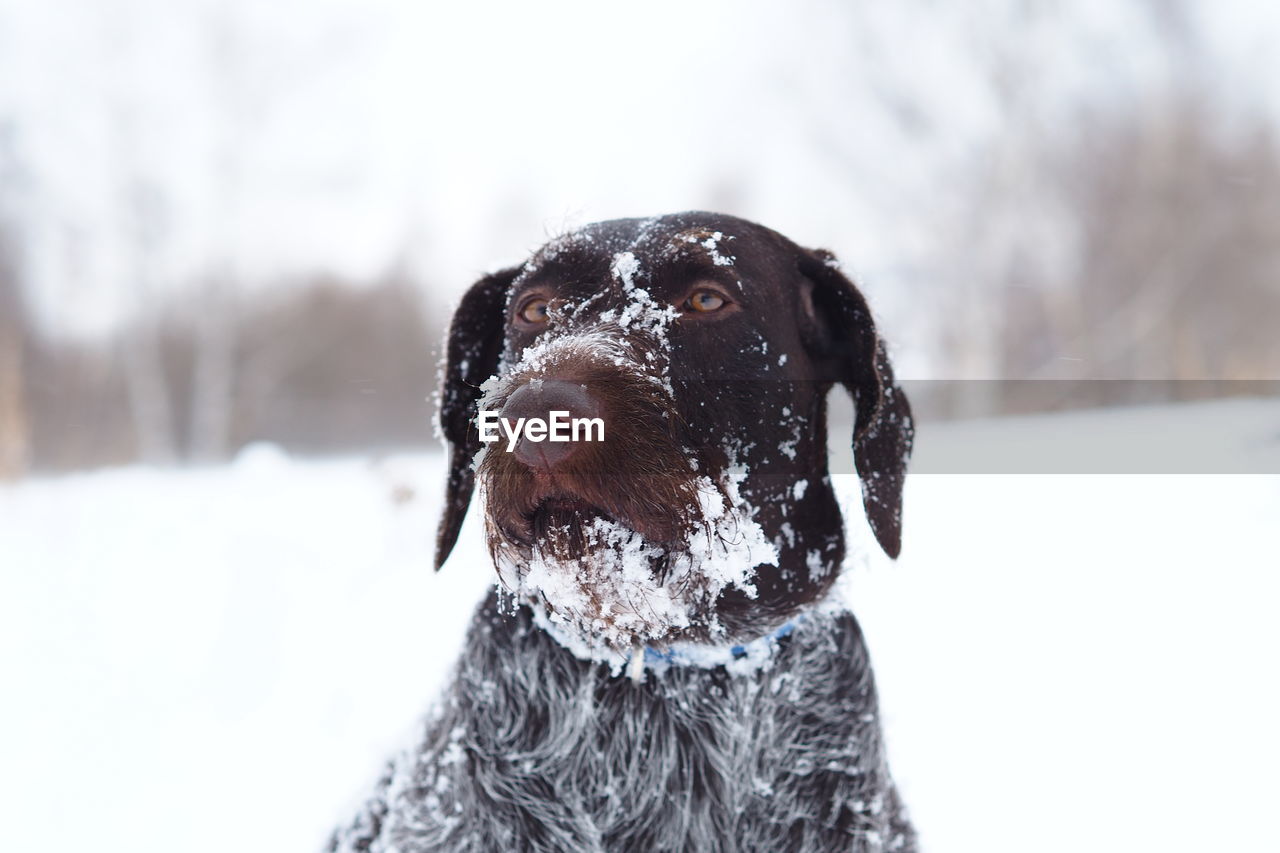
[(663, 665)]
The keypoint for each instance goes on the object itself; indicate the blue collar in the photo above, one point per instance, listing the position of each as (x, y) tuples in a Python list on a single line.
[(680, 656), (737, 658)]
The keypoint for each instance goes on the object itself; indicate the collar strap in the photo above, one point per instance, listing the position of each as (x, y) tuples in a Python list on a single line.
[(707, 657), (738, 659)]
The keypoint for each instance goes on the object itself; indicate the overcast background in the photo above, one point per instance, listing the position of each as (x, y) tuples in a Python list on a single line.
[(231, 221), (230, 237)]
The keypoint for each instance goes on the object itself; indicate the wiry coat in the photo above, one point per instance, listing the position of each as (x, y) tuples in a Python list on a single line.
[(704, 520), (536, 750)]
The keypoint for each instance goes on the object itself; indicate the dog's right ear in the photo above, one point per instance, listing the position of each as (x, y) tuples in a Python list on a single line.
[(475, 343)]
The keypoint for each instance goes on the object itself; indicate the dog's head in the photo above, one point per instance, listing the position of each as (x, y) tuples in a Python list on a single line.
[(702, 347)]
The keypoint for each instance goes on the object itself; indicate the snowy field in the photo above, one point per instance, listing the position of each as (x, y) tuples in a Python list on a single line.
[(220, 659)]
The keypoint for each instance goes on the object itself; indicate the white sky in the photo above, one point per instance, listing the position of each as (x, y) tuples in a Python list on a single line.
[(347, 135)]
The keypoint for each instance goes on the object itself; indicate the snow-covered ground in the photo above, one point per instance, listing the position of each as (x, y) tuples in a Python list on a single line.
[(220, 659)]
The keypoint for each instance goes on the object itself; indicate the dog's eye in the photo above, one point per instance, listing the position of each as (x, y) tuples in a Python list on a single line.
[(705, 301), (534, 311)]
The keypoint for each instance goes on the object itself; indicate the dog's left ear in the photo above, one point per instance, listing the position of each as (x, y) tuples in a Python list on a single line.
[(845, 335), (475, 343)]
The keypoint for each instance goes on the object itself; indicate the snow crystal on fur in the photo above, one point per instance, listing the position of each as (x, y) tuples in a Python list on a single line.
[(535, 750), (614, 598)]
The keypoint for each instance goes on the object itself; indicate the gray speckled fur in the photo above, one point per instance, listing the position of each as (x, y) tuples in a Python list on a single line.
[(532, 749)]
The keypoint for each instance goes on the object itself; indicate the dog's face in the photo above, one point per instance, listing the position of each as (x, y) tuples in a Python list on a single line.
[(704, 346)]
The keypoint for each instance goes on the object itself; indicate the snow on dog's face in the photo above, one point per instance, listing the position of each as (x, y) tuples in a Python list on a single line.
[(705, 346)]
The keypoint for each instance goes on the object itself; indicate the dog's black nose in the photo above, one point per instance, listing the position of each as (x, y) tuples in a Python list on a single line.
[(559, 416)]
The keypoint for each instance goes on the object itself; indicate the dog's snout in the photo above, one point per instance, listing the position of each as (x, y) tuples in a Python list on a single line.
[(538, 399)]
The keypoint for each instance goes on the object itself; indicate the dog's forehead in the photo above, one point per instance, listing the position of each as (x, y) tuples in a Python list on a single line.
[(663, 254)]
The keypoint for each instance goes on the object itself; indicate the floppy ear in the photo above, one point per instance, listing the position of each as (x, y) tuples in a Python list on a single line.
[(475, 342), (882, 430)]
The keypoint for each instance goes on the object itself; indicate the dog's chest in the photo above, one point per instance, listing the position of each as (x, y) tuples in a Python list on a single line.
[(534, 749)]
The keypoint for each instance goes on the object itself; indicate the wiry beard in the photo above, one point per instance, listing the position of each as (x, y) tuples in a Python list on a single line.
[(628, 541), (614, 589)]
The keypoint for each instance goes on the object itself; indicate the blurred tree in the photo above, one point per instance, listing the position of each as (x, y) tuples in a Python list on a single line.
[(213, 379), (13, 400), (1178, 273), (321, 366), (327, 367), (1112, 236), (141, 216), (14, 320)]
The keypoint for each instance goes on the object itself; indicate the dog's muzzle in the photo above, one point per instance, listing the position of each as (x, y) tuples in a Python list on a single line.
[(627, 539)]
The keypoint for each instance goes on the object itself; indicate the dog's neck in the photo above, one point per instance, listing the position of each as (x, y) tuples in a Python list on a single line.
[(741, 657)]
